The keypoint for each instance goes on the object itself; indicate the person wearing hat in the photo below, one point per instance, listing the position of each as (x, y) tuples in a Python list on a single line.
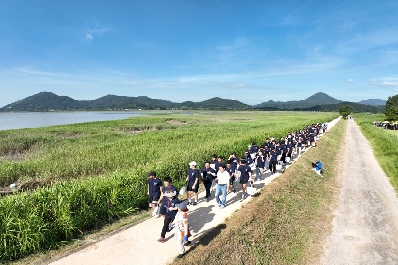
[(182, 228), (193, 182), (171, 212), (154, 191)]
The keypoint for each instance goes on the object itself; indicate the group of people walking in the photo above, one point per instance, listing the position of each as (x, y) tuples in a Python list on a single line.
[(222, 175)]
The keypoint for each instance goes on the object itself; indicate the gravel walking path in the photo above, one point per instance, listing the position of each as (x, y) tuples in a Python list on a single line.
[(365, 226)]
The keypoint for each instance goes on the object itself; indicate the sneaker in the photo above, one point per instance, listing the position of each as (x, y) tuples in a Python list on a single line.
[(189, 203), (234, 190), (161, 240), (194, 203), (157, 216), (219, 205), (180, 256), (222, 207), (187, 243)]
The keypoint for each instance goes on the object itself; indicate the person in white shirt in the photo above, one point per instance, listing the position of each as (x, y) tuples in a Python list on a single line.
[(222, 183)]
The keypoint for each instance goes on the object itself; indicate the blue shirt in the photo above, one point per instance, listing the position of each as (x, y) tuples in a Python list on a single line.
[(154, 186), (193, 174), (207, 177), (166, 189), (244, 172), (171, 203)]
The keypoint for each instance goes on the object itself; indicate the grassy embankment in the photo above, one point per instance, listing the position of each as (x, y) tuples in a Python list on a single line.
[(95, 173), (287, 222), (384, 144)]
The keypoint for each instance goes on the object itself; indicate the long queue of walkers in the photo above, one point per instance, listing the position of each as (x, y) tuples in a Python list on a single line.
[(222, 176)]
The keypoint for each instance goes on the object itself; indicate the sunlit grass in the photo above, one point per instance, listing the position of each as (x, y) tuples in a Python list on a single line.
[(384, 144)]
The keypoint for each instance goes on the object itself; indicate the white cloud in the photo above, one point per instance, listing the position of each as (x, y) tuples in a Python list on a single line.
[(89, 36), (373, 81), (350, 80), (385, 83)]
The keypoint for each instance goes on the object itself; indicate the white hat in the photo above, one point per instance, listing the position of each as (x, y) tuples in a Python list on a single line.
[(193, 163)]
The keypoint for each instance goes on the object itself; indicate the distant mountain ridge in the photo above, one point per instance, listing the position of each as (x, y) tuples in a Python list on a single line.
[(374, 102), (48, 101), (319, 98)]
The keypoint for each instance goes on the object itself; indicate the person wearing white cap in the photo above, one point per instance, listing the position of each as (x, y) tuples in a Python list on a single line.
[(182, 230), (193, 182)]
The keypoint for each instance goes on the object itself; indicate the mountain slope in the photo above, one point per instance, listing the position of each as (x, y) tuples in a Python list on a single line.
[(47, 101)]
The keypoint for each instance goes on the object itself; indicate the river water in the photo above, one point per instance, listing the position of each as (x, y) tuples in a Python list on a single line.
[(20, 120)]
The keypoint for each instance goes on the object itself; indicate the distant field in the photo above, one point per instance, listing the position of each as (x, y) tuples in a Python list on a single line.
[(96, 172)]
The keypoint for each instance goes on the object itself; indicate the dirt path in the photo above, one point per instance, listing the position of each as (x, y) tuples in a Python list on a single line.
[(138, 245), (365, 226)]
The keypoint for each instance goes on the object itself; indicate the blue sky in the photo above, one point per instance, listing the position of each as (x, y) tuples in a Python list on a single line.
[(252, 51)]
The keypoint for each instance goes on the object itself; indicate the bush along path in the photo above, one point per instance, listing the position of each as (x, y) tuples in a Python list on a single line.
[(274, 227)]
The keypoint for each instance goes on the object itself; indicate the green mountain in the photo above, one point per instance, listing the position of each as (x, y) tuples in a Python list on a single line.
[(314, 100), (47, 101)]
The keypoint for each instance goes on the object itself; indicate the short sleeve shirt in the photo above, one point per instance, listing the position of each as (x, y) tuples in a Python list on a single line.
[(154, 187), (193, 174), (244, 172)]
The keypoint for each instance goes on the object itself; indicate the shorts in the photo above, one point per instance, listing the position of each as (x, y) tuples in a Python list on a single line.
[(153, 199), (196, 189), (243, 181), (162, 210), (231, 181)]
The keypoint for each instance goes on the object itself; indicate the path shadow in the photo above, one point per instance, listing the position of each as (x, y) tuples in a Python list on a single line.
[(199, 217), (205, 237)]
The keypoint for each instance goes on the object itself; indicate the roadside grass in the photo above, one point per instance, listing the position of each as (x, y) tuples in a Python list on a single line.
[(288, 222), (384, 144), (89, 237)]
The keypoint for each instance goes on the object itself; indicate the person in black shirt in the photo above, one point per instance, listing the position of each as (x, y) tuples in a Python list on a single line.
[(167, 187), (245, 175), (273, 159), (208, 175), (231, 171), (193, 182), (170, 202)]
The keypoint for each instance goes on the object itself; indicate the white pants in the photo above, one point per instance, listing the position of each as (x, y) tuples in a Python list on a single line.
[(180, 241)]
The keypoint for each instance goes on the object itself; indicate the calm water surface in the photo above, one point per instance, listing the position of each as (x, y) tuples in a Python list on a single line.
[(42, 119)]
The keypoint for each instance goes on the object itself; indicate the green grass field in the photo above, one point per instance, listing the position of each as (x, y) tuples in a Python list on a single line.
[(384, 144), (91, 174)]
